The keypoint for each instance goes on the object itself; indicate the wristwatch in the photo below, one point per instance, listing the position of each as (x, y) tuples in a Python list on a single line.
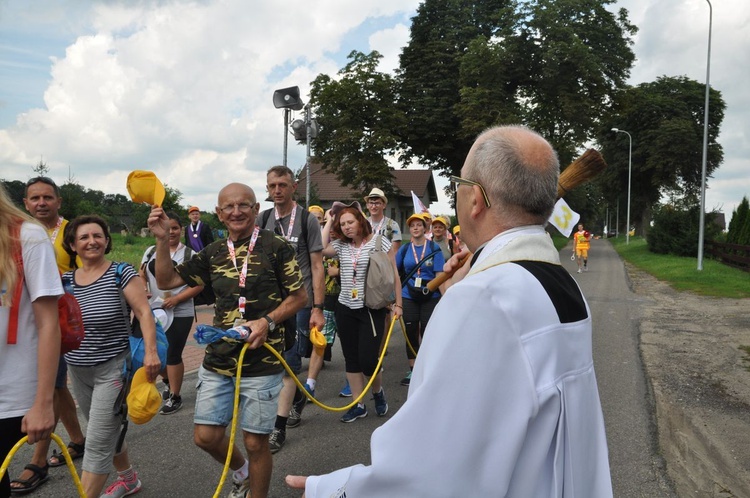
[(271, 323), (318, 306)]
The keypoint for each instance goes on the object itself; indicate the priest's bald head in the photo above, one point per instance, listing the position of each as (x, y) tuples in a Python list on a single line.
[(509, 179)]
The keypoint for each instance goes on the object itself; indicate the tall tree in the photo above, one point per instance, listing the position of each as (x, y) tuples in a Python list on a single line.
[(358, 122), (665, 121), (553, 65)]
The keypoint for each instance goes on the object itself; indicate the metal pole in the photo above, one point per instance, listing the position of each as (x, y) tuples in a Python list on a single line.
[(630, 169), (308, 129), (286, 132), (702, 221)]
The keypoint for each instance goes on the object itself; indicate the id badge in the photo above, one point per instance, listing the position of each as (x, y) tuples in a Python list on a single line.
[(418, 282), (355, 294), (242, 302)]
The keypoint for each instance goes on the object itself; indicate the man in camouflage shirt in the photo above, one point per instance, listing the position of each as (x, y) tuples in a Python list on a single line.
[(246, 272)]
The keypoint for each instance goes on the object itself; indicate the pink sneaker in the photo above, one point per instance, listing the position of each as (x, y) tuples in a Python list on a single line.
[(121, 488)]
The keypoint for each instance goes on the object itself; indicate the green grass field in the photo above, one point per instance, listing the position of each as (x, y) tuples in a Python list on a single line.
[(681, 273), (129, 248)]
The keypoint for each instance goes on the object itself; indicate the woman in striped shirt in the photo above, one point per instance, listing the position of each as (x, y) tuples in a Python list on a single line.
[(96, 368)]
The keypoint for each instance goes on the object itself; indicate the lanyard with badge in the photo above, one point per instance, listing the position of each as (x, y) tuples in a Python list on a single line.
[(418, 279), (242, 301), (355, 259), (376, 229), (53, 235), (287, 235)]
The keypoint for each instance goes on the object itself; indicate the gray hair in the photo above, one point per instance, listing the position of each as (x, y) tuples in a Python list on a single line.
[(517, 177)]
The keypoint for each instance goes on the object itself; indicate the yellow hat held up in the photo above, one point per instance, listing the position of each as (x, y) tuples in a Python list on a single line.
[(144, 399), (144, 186)]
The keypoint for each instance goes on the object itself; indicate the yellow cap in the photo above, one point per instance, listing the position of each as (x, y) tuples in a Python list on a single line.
[(443, 220), (316, 208), (318, 340), (144, 399), (423, 217), (456, 229), (143, 186)]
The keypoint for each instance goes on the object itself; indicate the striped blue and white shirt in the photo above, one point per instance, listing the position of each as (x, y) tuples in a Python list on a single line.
[(106, 323)]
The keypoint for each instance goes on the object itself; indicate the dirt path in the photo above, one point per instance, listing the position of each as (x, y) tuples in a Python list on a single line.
[(701, 385)]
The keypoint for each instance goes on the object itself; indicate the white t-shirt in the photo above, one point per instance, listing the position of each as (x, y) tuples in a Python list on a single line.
[(18, 362), (185, 308)]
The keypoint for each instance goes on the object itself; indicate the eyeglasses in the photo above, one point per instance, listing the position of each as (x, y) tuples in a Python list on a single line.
[(455, 181), (244, 207)]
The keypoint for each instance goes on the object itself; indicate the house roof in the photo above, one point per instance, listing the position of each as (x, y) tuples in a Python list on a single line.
[(329, 189)]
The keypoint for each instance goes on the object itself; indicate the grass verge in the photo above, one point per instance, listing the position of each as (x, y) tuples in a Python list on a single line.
[(681, 273)]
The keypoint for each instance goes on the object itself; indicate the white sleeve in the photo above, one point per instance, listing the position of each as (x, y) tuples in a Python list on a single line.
[(39, 264), (452, 437)]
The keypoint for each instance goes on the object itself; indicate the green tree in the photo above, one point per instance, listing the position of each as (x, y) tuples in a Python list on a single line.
[(16, 190), (41, 169), (739, 227), (358, 122), (665, 121), (552, 65)]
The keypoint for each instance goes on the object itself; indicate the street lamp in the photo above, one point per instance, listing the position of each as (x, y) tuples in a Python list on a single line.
[(630, 164), (702, 221), (304, 131), (287, 99)]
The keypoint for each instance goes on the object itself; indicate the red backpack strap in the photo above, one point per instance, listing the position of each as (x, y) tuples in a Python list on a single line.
[(18, 290)]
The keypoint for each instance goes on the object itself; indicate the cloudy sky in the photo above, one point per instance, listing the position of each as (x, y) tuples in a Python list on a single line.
[(97, 89)]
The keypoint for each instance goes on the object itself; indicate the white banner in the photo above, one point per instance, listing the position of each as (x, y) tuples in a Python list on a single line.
[(418, 206), (564, 218)]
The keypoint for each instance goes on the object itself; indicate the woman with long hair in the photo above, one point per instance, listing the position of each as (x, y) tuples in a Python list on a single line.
[(360, 328), (30, 341), (180, 301), (96, 368)]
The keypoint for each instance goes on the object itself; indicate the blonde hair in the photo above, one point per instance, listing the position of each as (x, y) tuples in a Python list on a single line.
[(11, 219)]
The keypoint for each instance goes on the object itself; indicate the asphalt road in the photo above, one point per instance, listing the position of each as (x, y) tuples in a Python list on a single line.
[(169, 464), (637, 469)]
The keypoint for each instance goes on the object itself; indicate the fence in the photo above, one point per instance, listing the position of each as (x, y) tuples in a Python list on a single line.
[(733, 255)]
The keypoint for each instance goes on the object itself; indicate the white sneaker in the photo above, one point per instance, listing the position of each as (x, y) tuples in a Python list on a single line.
[(579, 270), (239, 489)]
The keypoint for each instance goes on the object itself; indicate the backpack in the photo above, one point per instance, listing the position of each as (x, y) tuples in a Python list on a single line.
[(379, 278), (68, 310), (137, 346), (305, 215), (207, 295), (419, 295)]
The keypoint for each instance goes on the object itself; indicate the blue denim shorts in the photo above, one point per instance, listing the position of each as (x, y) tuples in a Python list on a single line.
[(294, 356), (259, 399)]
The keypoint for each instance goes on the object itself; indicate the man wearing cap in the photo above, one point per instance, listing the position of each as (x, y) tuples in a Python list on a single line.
[(248, 272), (286, 218), (43, 202), (381, 224), (197, 234), (442, 236)]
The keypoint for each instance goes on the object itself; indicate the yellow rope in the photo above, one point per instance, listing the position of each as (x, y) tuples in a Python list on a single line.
[(66, 454), (233, 430)]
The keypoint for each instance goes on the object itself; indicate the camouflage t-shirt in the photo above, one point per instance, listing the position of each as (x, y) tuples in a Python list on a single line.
[(272, 257)]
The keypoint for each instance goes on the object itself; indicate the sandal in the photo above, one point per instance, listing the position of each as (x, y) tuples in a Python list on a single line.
[(57, 459), (39, 476)]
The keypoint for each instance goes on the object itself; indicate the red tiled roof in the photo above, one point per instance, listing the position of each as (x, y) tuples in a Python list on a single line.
[(329, 189)]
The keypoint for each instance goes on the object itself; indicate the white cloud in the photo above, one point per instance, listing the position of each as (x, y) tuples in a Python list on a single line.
[(184, 88)]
